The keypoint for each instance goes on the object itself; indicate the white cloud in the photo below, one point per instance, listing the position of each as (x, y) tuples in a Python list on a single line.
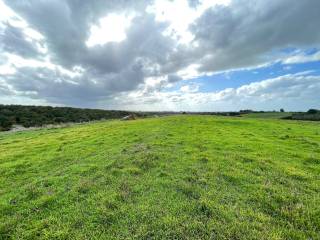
[(111, 28), (190, 72), (6, 69), (192, 88), (302, 58), (6, 12), (293, 91), (180, 15)]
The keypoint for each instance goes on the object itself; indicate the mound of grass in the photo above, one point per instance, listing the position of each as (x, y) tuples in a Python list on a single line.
[(178, 177)]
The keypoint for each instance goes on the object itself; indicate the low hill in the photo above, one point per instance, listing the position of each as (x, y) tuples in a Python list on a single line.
[(176, 177)]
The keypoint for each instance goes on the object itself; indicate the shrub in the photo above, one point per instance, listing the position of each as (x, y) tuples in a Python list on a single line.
[(29, 116), (313, 111), (5, 123)]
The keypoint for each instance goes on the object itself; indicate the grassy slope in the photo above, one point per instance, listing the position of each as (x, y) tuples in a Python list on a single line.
[(183, 177), (268, 115)]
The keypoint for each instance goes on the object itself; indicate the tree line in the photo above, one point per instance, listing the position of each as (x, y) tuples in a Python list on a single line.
[(35, 116), (310, 115)]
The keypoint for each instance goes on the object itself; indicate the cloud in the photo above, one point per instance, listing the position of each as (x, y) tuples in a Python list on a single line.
[(302, 58), (293, 91), (48, 58), (249, 33), (108, 68), (14, 40), (191, 88)]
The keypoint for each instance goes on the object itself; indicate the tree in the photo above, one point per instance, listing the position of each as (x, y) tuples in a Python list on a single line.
[(5, 123), (29, 116), (313, 111), (282, 110)]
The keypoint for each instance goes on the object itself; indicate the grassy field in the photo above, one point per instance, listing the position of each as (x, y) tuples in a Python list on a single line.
[(178, 177)]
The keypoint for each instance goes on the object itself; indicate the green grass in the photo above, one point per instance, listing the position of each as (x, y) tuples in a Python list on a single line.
[(178, 177), (268, 115)]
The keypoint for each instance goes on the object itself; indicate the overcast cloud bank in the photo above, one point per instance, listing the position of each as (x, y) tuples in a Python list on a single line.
[(47, 58)]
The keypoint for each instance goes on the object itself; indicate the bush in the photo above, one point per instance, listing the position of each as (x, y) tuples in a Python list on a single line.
[(29, 116), (306, 116), (313, 111), (5, 123)]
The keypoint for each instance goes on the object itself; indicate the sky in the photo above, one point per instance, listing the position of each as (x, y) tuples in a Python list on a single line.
[(161, 55)]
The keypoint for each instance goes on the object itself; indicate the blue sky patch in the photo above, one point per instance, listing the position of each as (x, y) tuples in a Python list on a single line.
[(235, 79)]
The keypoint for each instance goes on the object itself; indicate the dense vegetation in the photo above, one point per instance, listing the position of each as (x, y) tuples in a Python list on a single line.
[(268, 115), (30, 116), (177, 177), (311, 115)]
